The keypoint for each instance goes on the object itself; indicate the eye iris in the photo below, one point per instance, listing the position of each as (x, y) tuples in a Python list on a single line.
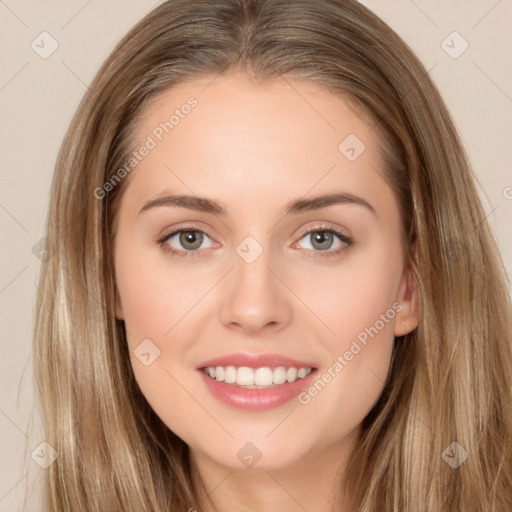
[(193, 237), (324, 238)]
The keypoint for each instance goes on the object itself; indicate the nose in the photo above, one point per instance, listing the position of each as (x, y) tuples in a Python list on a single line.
[(256, 300)]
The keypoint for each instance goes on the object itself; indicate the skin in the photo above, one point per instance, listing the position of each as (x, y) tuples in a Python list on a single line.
[(253, 148)]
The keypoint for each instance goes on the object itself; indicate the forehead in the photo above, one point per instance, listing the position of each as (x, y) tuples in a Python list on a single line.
[(235, 108), (230, 136)]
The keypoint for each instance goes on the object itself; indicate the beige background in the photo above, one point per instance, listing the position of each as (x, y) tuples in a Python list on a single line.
[(38, 97)]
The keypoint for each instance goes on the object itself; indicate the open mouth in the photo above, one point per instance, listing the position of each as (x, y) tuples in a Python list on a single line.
[(256, 378), (256, 382)]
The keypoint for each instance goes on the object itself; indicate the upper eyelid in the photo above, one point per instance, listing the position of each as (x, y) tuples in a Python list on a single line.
[(320, 227), (165, 235), (344, 238)]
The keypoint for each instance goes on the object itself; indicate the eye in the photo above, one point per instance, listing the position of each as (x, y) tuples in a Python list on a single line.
[(186, 240), (323, 242), (326, 240)]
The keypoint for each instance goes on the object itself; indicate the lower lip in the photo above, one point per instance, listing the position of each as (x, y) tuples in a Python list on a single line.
[(255, 399)]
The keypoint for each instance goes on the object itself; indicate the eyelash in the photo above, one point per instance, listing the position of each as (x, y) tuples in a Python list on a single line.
[(347, 241)]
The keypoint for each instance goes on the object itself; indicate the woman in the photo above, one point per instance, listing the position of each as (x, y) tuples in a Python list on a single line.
[(338, 334)]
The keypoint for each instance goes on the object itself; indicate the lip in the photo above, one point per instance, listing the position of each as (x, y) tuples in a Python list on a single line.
[(255, 399), (255, 361)]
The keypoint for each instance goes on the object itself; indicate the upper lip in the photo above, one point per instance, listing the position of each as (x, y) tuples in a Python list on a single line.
[(255, 361)]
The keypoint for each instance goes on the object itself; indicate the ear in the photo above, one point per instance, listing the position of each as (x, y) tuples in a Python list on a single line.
[(119, 307), (407, 318)]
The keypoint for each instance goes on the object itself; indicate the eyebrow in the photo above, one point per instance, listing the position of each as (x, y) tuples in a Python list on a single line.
[(300, 205)]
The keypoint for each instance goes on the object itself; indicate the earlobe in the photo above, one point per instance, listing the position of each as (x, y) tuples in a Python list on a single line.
[(407, 318)]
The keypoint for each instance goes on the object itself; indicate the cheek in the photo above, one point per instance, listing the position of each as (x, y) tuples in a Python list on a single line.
[(359, 306), (154, 293), (355, 297), (155, 302), (162, 304), (145, 303)]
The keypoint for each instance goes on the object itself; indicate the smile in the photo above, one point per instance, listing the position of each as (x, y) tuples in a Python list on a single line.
[(256, 382), (260, 378)]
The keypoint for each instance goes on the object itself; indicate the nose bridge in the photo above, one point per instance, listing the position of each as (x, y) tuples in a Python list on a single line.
[(255, 298), (252, 266)]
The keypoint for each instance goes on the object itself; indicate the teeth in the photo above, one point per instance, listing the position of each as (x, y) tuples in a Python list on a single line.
[(291, 374), (245, 376), (256, 378), (263, 377), (279, 376), (230, 374)]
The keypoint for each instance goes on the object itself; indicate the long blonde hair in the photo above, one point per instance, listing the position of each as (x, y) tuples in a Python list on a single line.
[(450, 379)]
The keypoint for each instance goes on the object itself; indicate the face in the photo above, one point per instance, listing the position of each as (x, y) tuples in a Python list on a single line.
[(288, 301)]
